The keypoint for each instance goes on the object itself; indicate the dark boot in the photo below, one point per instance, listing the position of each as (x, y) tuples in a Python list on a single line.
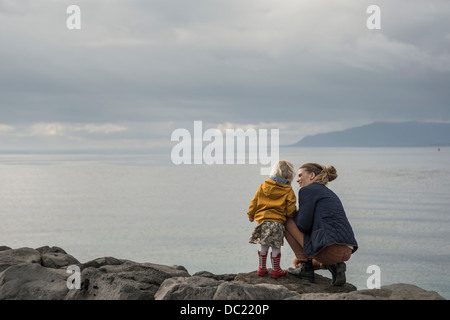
[(338, 272), (305, 271)]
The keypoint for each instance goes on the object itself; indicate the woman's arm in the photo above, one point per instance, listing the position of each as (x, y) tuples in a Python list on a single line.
[(291, 201)]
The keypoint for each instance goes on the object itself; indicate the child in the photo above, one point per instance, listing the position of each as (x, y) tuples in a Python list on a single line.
[(273, 202)]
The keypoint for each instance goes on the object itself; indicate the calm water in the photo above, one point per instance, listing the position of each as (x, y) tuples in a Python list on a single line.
[(141, 208)]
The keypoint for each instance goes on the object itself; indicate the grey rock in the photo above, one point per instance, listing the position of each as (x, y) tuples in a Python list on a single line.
[(17, 256), (323, 290), (321, 285), (47, 249), (125, 281), (207, 288), (100, 262), (243, 291), (355, 295), (402, 291), (31, 281), (177, 267), (398, 291), (57, 260), (191, 288), (35, 274), (207, 274), (98, 285)]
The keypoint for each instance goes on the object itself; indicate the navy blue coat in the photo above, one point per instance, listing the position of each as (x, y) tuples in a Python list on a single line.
[(322, 219)]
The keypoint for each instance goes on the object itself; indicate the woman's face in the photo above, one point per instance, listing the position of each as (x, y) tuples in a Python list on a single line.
[(304, 177)]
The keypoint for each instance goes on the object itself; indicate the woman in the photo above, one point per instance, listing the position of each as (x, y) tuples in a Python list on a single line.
[(319, 233)]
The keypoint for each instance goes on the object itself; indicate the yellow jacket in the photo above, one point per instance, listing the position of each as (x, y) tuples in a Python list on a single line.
[(273, 201)]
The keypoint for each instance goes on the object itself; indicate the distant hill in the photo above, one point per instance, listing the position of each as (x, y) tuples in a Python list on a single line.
[(383, 134)]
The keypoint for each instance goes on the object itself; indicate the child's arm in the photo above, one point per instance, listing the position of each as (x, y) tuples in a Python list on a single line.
[(252, 207)]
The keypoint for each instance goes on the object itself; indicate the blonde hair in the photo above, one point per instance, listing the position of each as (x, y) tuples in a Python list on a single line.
[(283, 169), (323, 174)]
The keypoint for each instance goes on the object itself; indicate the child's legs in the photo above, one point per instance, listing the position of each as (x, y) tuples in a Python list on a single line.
[(275, 251), (264, 248)]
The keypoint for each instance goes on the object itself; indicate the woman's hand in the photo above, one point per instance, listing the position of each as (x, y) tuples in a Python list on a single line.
[(297, 263)]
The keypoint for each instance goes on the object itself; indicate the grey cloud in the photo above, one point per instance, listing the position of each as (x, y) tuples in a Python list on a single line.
[(223, 61)]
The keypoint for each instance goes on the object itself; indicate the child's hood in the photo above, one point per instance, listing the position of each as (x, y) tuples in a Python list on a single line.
[(275, 189)]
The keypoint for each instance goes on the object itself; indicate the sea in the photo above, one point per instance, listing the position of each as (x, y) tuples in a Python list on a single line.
[(142, 207)]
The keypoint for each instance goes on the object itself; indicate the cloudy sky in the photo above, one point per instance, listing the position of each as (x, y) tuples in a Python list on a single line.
[(139, 69)]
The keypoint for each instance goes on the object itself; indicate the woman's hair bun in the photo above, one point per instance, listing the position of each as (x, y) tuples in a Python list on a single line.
[(332, 173)]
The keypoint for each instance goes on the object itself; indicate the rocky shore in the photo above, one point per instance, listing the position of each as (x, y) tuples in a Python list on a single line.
[(46, 273)]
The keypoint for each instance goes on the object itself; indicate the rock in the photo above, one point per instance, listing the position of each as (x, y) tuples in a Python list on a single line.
[(208, 288), (191, 288), (100, 262), (236, 290), (125, 281), (323, 290), (47, 249), (293, 283), (355, 295), (98, 285), (207, 274), (56, 257), (58, 260), (31, 281), (176, 267), (399, 291), (402, 291), (17, 256), (40, 274)]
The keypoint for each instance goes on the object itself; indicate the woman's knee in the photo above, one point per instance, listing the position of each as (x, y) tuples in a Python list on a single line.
[(334, 254)]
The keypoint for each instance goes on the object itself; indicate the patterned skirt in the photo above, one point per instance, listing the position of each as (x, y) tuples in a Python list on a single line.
[(269, 233)]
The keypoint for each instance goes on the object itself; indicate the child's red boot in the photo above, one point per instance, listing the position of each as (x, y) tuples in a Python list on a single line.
[(276, 270), (262, 270)]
